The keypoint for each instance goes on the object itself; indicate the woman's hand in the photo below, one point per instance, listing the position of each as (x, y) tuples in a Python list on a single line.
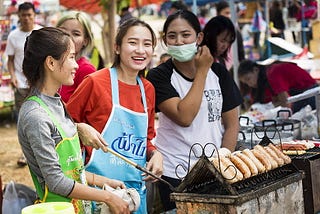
[(155, 165), (115, 183), (91, 137), (118, 205), (203, 59)]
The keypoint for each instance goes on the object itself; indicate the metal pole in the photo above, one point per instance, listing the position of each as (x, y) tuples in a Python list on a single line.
[(234, 47), (194, 7)]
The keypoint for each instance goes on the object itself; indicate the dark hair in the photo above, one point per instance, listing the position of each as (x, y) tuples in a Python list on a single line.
[(124, 9), (214, 27), (48, 41), (164, 55), (247, 66), (178, 5), (182, 14), (26, 6), (122, 31), (221, 5)]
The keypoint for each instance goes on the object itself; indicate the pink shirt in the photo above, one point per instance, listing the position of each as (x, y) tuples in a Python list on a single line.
[(85, 68)]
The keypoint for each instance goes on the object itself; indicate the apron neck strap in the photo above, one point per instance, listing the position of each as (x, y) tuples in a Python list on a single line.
[(52, 117), (115, 88)]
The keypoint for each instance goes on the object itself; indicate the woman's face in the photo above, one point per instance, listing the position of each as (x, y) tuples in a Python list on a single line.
[(67, 69), (136, 49), (180, 32), (77, 33), (226, 12), (250, 78), (223, 42)]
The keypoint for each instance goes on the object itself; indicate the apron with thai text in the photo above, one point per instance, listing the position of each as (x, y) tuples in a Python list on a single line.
[(126, 133), (70, 159)]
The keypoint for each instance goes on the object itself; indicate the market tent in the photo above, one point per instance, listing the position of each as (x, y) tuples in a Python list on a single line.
[(89, 6), (93, 6)]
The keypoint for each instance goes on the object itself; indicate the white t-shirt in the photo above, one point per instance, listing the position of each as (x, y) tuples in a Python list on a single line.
[(174, 141), (15, 47)]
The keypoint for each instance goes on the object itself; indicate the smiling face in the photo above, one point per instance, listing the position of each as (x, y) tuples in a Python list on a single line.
[(136, 49), (66, 67), (226, 12), (77, 33)]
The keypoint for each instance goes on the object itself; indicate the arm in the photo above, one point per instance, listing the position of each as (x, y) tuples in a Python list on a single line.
[(231, 125), (115, 203), (98, 180), (281, 99), (154, 165), (91, 137), (183, 111), (154, 157), (10, 65)]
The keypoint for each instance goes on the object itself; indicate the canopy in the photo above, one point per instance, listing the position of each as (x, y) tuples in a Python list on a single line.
[(89, 6), (93, 6)]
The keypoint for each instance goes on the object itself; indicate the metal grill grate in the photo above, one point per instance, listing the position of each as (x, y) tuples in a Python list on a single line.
[(204, 178)]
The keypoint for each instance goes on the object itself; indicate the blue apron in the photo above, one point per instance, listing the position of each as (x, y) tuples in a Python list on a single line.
[(126, 133)]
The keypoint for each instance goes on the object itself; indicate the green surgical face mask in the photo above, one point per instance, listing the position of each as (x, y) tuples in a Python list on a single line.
[(183, 53)]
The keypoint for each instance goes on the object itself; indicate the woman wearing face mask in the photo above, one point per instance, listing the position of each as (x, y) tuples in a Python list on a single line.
[(191, 102)]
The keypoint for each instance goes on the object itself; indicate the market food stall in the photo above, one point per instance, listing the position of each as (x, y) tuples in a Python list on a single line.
[(226, 183), (299, 138), (215, 185)]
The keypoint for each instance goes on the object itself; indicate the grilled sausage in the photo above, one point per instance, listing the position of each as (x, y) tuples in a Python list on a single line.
[(241, 165), (261, 168), (273, 154), (280, 154), (249, 163), (273, 162)]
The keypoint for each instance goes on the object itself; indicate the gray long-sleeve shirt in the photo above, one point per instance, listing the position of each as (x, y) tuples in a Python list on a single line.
[(38, 137)]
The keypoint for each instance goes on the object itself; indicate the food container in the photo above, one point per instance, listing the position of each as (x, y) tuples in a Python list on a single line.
[(282, 124), (247, 140), (49, 208)]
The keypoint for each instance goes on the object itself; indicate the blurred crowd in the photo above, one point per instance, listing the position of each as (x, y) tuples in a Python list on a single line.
[(55, 66)]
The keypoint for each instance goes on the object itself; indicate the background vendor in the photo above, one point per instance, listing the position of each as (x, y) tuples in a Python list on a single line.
[(276, 82)]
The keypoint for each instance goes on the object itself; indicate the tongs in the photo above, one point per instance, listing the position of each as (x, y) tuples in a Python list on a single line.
[(140, 168)]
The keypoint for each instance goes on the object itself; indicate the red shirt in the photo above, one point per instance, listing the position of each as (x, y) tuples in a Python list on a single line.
[(91, 103), (85, 68), (284, 77)]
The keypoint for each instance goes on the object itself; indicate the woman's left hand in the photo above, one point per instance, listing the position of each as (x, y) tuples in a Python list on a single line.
[(91, 137), (116, 183), (155, 165)]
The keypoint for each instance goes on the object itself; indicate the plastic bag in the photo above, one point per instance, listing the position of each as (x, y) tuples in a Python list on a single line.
[(130, 195), (309, 122), (16, 197)]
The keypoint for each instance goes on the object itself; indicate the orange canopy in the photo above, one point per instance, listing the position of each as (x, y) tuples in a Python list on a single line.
[(89, 6), (93, 6)]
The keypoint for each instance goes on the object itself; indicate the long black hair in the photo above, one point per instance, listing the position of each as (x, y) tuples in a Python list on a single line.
[(213, 29), (48, 41)]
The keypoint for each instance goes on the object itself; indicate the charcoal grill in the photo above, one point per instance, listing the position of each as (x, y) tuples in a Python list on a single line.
[(204, 190), (310, 164)]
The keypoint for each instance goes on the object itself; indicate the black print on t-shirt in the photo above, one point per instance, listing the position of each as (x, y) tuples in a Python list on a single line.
[(214, 99)]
